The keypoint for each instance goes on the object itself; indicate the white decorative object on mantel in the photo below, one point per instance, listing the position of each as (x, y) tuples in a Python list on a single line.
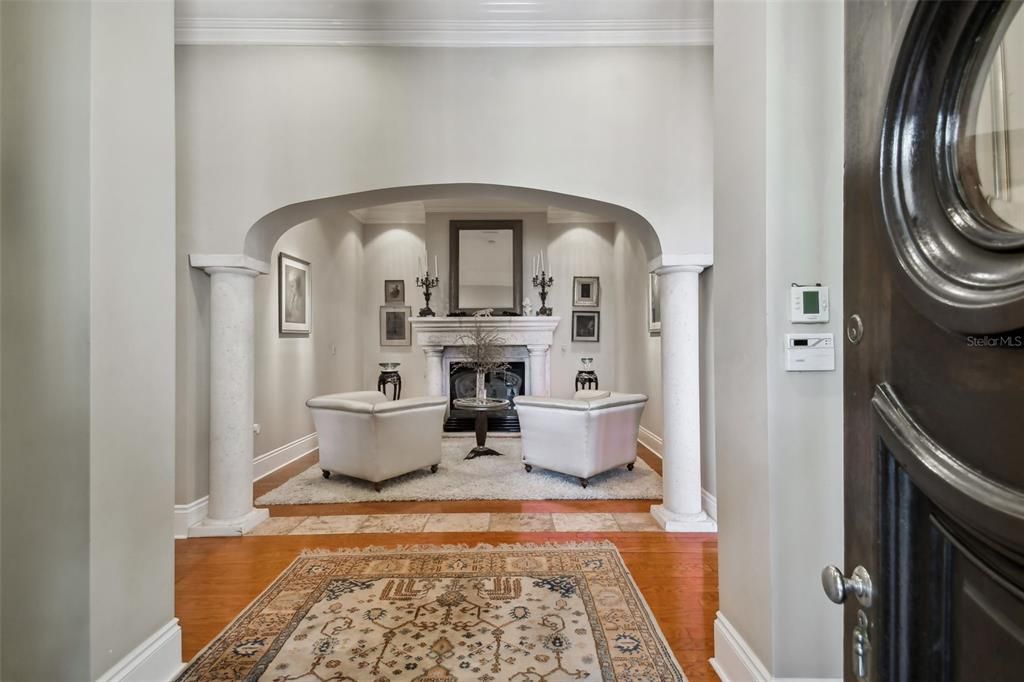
[(434, 334)]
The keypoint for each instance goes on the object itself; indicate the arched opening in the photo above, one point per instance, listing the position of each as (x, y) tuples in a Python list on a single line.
[(262, 236), (611, 247)]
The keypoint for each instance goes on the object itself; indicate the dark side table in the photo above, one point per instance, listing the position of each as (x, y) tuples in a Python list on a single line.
[(586, 379), (393, 379), (481, 408)]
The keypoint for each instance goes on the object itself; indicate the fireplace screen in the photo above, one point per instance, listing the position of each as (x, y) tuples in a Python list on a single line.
[(506, 385)]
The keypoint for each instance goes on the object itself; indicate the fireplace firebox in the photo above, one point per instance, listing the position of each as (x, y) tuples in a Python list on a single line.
[(507, 384)]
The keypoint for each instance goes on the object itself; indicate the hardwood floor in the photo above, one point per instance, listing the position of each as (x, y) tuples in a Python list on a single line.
[(216, 578)]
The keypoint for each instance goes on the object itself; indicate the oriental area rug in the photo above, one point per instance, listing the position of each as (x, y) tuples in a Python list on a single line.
[(530, 613)]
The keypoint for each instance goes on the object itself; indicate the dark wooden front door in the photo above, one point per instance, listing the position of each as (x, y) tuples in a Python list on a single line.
[(934, 382)]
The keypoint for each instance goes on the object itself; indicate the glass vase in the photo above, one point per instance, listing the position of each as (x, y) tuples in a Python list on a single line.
[(481, 386)]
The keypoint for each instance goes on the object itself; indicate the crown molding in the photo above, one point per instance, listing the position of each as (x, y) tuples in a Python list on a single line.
[(443, 32)]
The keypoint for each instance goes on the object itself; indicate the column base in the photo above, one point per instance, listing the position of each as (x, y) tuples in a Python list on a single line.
[(218, 528), (683, 523)]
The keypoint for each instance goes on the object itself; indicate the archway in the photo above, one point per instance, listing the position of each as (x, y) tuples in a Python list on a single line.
[(231, 511)]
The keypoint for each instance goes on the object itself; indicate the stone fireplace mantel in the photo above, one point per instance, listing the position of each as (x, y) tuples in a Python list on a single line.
[(537, 334)]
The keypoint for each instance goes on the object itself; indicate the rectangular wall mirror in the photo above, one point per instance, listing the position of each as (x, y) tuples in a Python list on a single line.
[(486, 265)]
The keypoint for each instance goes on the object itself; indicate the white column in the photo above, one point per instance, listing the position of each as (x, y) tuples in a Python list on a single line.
[(232, 333), (435, 370), (539, 370), (682, 508)]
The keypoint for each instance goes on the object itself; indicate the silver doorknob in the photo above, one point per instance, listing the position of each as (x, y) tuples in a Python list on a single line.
[(837, 586)]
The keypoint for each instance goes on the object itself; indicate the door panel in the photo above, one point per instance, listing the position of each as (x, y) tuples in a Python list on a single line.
[(934, 385)]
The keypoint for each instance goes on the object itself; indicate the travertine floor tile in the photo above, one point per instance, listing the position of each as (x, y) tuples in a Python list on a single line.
[(393, 523), (457, 523), (636, 521), (584, 523), (277, 525), (522, 523), (329, 525)]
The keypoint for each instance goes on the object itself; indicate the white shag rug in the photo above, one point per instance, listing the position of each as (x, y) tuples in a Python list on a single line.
[(483, 478)]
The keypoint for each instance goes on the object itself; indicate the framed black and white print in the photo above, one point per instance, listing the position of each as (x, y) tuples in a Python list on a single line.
[(653, 305), (394, 291), (295, 295), (586, 292), (395, 329), (586, 326)]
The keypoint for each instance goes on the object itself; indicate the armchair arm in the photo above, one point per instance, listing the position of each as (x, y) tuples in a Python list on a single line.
[(618, 400), (409, 404), (328, 402), (554, 403)]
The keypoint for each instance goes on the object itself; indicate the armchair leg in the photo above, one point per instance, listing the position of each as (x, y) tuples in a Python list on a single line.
[(529, 467), (630, 466), (433, 468), (377, 487), (583, 482), (327, 474)]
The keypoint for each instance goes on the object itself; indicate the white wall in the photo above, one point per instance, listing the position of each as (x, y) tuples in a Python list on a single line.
[(290, 369), (88, 201), (778, 219), (45, 307), (393, 252), (131, 335), (265, 127)]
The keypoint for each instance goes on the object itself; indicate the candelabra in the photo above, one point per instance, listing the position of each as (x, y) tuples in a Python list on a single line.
[(427, 283), (543, 282)]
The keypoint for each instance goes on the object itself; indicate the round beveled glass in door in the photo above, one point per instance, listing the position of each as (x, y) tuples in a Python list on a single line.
[(998, 131)]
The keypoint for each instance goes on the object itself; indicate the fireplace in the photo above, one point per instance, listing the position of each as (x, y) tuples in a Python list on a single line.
[(507, 385)]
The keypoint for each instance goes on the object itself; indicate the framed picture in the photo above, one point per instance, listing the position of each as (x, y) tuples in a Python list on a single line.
[(586, 326), (653, 305), (394, 291), (295, 295), (395, 329), (586, 291)]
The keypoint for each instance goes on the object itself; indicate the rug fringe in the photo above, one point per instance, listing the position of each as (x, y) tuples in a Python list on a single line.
[(483, 546)]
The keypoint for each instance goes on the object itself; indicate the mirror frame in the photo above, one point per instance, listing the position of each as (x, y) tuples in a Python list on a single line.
[(455, 228)]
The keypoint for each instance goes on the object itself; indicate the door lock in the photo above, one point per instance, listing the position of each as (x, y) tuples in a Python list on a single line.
[(837, 586), (860, 647)]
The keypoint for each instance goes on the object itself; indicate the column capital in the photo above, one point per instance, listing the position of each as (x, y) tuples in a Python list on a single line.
[(236, 263), (538, 349), (433, 350), (668, 263)]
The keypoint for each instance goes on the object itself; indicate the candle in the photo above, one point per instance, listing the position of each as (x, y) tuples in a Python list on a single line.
[(419, 264), (534, 264), (542, 261), (435, 266)]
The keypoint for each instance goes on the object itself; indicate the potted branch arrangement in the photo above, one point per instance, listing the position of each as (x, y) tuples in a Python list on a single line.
[(483, 349)]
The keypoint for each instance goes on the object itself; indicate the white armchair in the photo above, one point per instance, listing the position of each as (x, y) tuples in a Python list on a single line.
[(592, 433), (366, 435)]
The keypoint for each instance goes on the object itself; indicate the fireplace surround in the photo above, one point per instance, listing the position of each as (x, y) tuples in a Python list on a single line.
[(507, 384)]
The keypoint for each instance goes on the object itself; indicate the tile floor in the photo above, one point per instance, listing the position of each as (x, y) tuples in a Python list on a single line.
[(457, 523)]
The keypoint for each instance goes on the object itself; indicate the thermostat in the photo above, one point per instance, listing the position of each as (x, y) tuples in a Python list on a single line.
[(810, 353), (808, 304)]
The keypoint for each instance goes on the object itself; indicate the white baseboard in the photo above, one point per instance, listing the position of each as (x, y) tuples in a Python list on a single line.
[(188, 515), (651, 441), (269, 462), (734, 660), (157, 659), (710, 504), (656, 445)]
